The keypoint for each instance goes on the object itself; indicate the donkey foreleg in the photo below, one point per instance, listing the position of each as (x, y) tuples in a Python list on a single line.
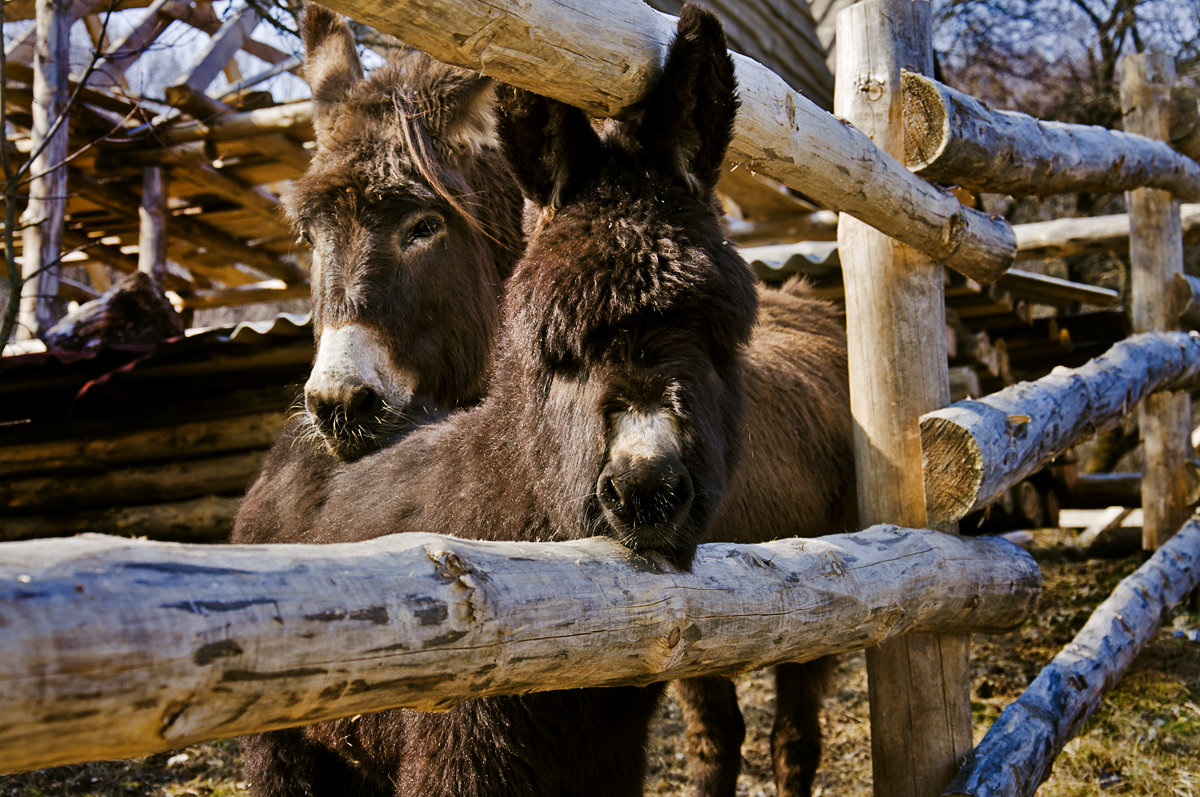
[(796, 735), (714, 732)]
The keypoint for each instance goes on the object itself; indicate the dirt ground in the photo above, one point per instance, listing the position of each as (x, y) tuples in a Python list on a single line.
[(1144, 739)]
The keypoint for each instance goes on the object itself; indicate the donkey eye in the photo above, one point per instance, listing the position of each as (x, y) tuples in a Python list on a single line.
[(427, 227), (304, 238)]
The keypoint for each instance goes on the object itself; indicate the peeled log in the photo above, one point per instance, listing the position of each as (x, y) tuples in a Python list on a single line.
[(1062, 237), (1018, 751), (955, 138), (185, 643), (973, 450), (603, 61)]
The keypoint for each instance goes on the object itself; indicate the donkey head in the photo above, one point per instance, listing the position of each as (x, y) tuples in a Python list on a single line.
[(414, 225), (630, 299)]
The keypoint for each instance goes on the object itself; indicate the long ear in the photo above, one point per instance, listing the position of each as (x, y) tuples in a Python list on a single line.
[(688, 115), (459, 108), (331, 64), (550, 145)]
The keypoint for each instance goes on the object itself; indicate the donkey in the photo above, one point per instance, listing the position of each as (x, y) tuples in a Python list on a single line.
[(615, 407), (794, 473), (414, 224)]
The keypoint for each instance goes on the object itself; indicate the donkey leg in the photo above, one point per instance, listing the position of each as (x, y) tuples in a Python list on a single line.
[(715, 731), (286, 764), (796, 735)]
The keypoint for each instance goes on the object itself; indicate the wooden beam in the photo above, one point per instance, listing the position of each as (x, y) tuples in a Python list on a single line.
[(152, 224), (1100, 490), (207, 520), (1156, 257), (603, 61), (244, 294), (1018, 751), (973, 450), (957, 139), (919, 686), (247, 638), (1063, 237), (1186, 300), (1044, 289), (45, 213), (135, 484), (1185, 121), (177, 442), (220, 49), (148, 28)]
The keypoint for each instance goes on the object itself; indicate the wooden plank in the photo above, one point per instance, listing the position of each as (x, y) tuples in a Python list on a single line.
[(176, 442), (219, 51), (208, 519), (1156, 257), (139, 484), (955, 138), (919, 686), (603, 60), (245, 638), (974, 450), (1018, 751), (253, 293)]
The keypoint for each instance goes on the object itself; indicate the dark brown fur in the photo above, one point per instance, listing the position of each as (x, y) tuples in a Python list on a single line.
[(627, 297)]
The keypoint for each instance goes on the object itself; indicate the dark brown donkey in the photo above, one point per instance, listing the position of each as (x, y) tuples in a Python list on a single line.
[(614, 407), (414, 223), (396, 136)]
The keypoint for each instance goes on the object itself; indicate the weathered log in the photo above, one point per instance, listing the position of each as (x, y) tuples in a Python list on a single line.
[(1062, 237), (1185, 121), (1044, 289), (134, 310), (1186, 296), (287, 118), (273, 291), (895, 314), (955, 138), (152, 224), (45, 212), (208, 519), (974, 449), (170, 481), (193, 642), (1100, 490), (603, 60), (1016, 754), (176, 442), (1156, 257)]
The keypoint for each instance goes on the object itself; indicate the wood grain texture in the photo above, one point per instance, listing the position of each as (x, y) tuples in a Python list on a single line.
[(1156, 258), (197, 642), (919, 686), (973, 450), (1062, 237), (601, 56), (955, 138), (1017, 753)]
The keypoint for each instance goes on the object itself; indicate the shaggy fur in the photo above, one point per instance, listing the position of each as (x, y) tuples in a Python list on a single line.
[(627, 298), (794, 478), (414, 222)]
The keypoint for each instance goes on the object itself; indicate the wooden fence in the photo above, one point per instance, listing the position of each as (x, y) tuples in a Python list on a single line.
[(219, 635)]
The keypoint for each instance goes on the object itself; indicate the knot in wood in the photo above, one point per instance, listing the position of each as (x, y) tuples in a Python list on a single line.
[(673, 637)]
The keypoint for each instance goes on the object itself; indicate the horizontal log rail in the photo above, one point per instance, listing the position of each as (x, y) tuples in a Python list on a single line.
[(958, 139), (975, 449), (186, 643), (602, 60), (1016, 754), (1062, 237)]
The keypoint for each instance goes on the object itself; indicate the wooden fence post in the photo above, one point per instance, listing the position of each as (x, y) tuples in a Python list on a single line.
[(895, 309), (46, 211), (152, 229), (1156, 253)]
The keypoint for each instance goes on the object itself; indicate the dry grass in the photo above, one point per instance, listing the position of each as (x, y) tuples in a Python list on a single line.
[(1144, 739)]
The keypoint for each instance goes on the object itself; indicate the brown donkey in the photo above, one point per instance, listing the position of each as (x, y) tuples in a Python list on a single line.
[(795, 470), (615, 407)]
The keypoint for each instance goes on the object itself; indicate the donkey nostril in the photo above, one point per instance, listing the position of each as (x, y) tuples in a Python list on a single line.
[(363, 404)]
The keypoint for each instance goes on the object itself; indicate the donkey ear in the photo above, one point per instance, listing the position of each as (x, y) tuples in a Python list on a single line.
[(331, 64), (550, 145), (461, 110), (689, 114)]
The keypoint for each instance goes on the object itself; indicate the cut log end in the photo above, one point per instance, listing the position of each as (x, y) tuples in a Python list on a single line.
[(953, 467), (926, 123)]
